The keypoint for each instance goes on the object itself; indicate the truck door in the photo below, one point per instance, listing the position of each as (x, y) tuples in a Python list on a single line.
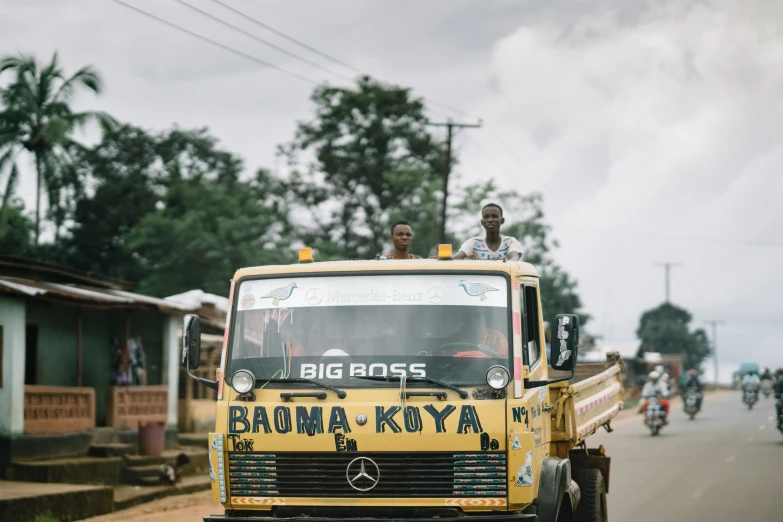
[(528, 419)]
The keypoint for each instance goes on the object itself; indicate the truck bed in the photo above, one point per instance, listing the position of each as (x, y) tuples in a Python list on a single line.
[(587, 402)]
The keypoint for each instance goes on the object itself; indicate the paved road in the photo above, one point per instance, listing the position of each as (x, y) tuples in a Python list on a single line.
[(726, 465)]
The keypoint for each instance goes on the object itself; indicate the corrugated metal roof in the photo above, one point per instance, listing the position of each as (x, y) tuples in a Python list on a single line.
[(89, 295)]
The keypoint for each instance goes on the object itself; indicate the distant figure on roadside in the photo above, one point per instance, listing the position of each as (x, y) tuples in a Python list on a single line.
[(401, 237), (493, 246)]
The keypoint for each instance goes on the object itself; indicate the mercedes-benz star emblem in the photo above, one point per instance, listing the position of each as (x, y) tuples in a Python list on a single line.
[(362, 474), (436, 295), (314, 296)]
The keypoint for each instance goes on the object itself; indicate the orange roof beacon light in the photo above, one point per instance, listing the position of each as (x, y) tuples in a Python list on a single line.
[(306, 255), (444, 252)]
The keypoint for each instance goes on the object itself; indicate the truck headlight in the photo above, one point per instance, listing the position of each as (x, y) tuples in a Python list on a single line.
[(497, 377), (243, 381)]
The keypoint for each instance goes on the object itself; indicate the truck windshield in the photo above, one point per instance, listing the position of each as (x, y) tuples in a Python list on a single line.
[(451, 328)]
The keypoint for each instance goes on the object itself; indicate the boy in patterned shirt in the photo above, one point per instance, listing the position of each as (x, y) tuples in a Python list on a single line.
[(494, 246)]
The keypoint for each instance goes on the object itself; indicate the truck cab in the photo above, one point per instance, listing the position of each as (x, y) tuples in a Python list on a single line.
[(403, 389)]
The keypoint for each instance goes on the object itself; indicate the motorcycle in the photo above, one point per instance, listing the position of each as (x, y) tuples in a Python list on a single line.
[(780, 415), (654, 415), (750, 396), (766, 387), (691, 401)]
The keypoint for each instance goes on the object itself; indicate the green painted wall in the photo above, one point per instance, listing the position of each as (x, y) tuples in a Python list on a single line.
[(57, 351)]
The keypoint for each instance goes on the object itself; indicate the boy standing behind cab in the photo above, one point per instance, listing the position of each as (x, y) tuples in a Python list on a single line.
[(494, 246)]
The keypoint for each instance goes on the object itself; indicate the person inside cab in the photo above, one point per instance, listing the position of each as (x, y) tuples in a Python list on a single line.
[(490, 342), (692, 382), (401, 237), (654, 387), (459, 332), (493, 246)]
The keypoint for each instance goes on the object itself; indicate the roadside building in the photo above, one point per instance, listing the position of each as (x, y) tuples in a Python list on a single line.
[(197, 403), (80, 352)]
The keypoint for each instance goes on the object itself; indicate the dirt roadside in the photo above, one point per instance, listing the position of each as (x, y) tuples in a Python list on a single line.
[(180, 508)]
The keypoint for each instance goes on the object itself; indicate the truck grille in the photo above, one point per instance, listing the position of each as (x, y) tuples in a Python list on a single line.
[(407, 475)]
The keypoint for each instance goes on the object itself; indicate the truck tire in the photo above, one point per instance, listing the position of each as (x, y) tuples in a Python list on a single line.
[(592, 506)]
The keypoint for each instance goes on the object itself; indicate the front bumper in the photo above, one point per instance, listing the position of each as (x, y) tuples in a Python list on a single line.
[(492, 517)]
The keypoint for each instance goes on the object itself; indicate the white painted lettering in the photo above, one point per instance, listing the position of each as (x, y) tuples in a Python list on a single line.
[(381, 366), (418, 370)]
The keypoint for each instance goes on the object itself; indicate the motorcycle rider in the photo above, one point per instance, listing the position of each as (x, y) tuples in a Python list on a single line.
[(778, 388), (767, 381), (751, 381), (692, 382), (655, 387)]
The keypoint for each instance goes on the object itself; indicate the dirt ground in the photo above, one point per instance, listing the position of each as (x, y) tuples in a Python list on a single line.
[(179, 508)]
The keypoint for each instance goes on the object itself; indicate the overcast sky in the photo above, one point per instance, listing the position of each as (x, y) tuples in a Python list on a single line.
[(654, 129)]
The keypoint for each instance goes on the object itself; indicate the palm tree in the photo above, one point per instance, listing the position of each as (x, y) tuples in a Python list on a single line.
[(36, 117)]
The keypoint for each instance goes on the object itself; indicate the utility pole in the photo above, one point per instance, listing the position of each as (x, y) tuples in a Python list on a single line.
[(447, 167), (714, 323), (667, 267)]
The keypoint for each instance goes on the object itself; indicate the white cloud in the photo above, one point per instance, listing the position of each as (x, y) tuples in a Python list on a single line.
[(671, 124), (663, 116)]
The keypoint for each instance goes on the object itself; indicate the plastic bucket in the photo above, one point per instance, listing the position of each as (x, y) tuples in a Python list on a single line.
[(152, 437)]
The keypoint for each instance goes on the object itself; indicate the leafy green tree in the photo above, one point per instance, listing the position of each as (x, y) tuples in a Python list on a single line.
[(36, 117), (524, 221), (126, 171), (215, 228), (17, 239), (365, 160), (138, 174), (665, 329)]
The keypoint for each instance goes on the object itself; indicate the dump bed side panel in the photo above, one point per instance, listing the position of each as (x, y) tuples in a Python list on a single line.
[(584, 406)]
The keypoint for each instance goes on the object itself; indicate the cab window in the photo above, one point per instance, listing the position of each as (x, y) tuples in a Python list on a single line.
[(531, 333)]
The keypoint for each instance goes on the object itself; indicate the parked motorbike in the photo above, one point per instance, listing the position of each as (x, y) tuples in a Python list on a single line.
[(766, 387), (691, 402), (750, 396), (654, 415)]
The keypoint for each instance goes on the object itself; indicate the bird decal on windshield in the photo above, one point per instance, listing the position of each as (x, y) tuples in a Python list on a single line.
[(280, 294), (477, 289)]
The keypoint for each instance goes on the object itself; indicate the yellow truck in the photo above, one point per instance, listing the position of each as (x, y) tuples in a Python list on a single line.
[(410, 390)]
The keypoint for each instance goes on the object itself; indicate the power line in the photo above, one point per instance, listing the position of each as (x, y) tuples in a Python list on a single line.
[(217, 44), (261, 40), (283, 35), (322, 54)]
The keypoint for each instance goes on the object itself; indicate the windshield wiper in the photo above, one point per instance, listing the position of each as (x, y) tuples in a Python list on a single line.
[(340, 393), (462, 393)]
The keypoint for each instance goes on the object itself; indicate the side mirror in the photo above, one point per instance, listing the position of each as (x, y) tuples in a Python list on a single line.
[(565, 342), (191, 341)]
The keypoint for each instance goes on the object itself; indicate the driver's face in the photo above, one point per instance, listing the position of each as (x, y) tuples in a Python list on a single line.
[(472, 330)]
